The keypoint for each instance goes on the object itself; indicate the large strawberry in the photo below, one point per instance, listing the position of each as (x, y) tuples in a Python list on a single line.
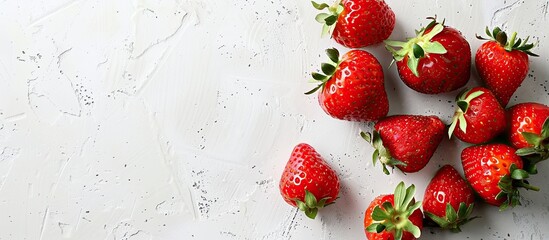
[(438, 60), (352, 88), (307, 181), (479, 116), (357, 23), (529, 132), (395, 216), (405, 141), (448, 199), (495, 172), (503, 64)]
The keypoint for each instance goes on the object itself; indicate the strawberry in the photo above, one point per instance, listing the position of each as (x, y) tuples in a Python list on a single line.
[(448, 199), (352, 88), (405, 141), (357, 23), (438, 60), (495, 172), (503, 65), (307, 182), (395, 216), (479, 116), (529, 132)]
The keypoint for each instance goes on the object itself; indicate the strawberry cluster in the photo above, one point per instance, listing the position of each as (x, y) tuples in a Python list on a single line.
[(506, 143)]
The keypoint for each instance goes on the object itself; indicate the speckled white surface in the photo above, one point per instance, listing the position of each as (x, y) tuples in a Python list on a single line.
[(150, 119)]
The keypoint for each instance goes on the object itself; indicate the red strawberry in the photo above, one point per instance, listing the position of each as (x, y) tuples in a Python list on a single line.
[(395, 216), (448, 199), (357, 23), (479, 116), (352, 88), (495, 172), (438, 60), (307, 181), (502, 64), (405, 141), (529, 131)]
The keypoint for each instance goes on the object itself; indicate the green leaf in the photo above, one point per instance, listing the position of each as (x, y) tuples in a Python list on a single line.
[(314, 89), (311, 213), (488, 32), (495, 32), (418, 51), (366, 136), (411, 228), (451, 213), (452, 127), (319, 77), (532, 138), (310, 199), (373, 227), (325, 30), (375, 156), (412, 64), (526, 151), (301, 205), (328, 69), (392, 43), (463, 105), (519, 174), (400, 196), (501, 37), (379, 215), (473, 95), (333, 54), (462, 123), (545, 129), (398, 234), (319, 6), (321, 17), (330, 20), (434, 31), (434, 48)]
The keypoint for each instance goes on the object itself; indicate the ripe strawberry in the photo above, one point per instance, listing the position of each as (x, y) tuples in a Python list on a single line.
[(357, 23), (529, 131), (395, 216), (405, 141), (438, 60), (479, 116), (352, 88), (307, 181), (448, 199), (495, 172), (502, 64)]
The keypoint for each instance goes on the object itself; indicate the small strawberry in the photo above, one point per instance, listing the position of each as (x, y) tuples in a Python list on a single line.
[(405, 141), (495, 172), (395, 216), (307, 181), (448, 199), (438, 60), (503, 65), (357, 23), (352, 88), (529, 132), (479, 116)]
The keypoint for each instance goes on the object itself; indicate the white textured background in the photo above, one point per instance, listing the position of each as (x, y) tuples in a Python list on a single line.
[(158, 119)]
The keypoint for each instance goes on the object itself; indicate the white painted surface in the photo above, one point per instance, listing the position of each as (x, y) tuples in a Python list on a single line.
[(152, 119)]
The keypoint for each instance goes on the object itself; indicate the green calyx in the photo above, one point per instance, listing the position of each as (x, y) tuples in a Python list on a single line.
[(311, 205), (380, 153), (418, 47), (328, 70), (539, 151), (463, 101), (511, 44), (329, 19), (453, 220), (394, 218), (509, 185)]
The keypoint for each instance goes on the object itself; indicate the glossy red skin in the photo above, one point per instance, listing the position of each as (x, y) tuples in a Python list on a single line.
[(440, 73), (363, 23), (485, 165), (356, 91), (485, 119), (525, 117), (501, 71), (447, 186), (306, 170), (411, 139), (416, 218)]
